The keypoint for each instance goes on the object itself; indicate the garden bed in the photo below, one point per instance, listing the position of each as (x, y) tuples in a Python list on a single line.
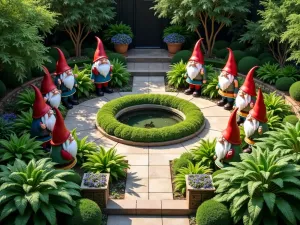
[(176, 195)]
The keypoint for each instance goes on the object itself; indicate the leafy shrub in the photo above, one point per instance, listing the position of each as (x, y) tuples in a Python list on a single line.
[(84, 83), (209, 89), (121, 39), (183, 55), (182, 161), (37, 72), (290, 71), (174, 38), (264, 55), (34, 193), (179, 180), (238, 55), (2, 89), (106, 162), (236, 45), (22, 124), (274, 121), (115, 29), (10, 79), (222, 53), (121, 76), (204, 152), (221, 44), (6, 128), (295, 91), (212, 212), (218, 63), (74, 177), (276, 104), (217, 172), (176, 29), (68, 45), (253, 52), (51, 64), (176, 75), (246, 63), (260, 189), (292, 119), (89, 52), (115, 56), (86, 212), (54, 54), (268, 60), (284, 83), (79, 61)]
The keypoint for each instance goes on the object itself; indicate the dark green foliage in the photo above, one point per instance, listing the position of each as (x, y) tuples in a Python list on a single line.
[(178, 29), (212, 212), (176, 75), (222, 53), (183, 55), (209, 89), (89, 52), (265, 55), (253, 53), (292, 119), (115, 29), (68, 45), (86, 212), (114, 56), (246, 63), (218, 63), (295, 91), (120, 73), (267, 60), (2, 89), (236, 45), (182, 161), (10, 79), (84, 83), (217, 172), (79, 61), (221, 45), (74, 177), (51, 65), (284, 83), (276, 104), (238, 55), (6, 128), (204, 152), (54, 53), (37, 72), (22, 124)]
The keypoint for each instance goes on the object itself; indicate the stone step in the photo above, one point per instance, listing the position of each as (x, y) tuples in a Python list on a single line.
[(148, 55), (148, 207), (148, 69)]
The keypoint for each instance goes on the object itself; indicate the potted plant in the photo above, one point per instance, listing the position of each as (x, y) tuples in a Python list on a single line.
[(174, 42), (121, 42), (199, 188)]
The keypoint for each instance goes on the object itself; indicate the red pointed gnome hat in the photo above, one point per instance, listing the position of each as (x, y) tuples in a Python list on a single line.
[(60, 133), (197, 54), (40, 108), (259, 111), (61, 65), (100, 52), (232, 132), (47, 84), (231, 66), (249, 85)]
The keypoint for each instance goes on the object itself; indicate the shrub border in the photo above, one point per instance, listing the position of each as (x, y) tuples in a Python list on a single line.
[(111, 128)]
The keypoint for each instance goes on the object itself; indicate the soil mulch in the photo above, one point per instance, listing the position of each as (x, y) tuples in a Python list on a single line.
[(176, 195)]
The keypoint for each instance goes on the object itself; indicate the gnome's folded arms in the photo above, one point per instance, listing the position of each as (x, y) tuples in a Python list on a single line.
[(66, 155)]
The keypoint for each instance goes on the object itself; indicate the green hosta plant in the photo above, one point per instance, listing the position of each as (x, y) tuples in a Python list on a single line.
[(22, 124), (84, 82), (204, 152), (274, 121), (290, 71), (198, 168), (114, 29), (23, 148), (209, 89), (120, 76), (34, 193), (84, 148), (276, 104), (261, 189), (176, 75), (106, 162)]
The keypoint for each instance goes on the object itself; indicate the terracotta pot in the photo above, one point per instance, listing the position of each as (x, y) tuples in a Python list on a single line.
[(121, 48), (174, 47)]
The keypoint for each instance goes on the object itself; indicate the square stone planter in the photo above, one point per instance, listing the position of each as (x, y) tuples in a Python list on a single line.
[(195, 196), (99, 195)]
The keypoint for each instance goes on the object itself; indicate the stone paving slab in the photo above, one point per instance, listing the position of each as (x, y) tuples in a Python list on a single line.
[(96, 102), (160, 196), (138, 185), (147, 220), (92, 134), (136, 196), (161, 185), (128, 149), (138, 159), (170, 149), (138, 172), (216, 123), (105, 142), (215, 111), (159, 172), (161, 159)]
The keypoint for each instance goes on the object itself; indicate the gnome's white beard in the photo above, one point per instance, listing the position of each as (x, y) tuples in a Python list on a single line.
[(54, 99), (193, 71), (242, 103), (222, 149), (103, 68), (250, 127), (71, 147), (49, 121), (68, 81), (225, 82)]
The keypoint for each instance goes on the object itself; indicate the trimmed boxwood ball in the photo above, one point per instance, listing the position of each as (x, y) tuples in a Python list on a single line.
[(284, 83), (236, 45), (182, 161), (89, 52), (221, 45), (246, 63), (54, 54), (86, 212), (2, 89), (295, 91), (254, 53), (267, 60), (292, 119), (212, 212), (120, 57), (222, 53), (183, 55), (264, 55), (238, 55)]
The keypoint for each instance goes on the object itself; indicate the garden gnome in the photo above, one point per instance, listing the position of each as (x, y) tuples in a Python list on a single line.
[(43, 119), (228, 84), (63, 146), (65, 81), (101, 70), (246, 97), (255, 124), (196, 75), (50, 92), (228, 147)]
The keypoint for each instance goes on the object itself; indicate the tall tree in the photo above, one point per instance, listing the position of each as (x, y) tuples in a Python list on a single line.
[(212, 15), (22, 26), (81, 17)]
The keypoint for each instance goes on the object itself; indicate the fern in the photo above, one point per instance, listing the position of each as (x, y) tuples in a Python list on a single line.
[(178, 29), (22, 124), (121, 75), (176, 75), (204, 152), (84, 83), (209, 89), (114, 29), (276, 104)]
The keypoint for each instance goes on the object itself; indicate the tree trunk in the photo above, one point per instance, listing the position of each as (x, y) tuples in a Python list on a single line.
[(77, 36)]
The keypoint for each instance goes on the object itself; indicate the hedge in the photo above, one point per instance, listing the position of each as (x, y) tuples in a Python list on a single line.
[(107, 121)]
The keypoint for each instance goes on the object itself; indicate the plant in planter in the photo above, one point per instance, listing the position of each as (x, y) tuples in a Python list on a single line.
[(121, 42), (114, 29), (174, 42)]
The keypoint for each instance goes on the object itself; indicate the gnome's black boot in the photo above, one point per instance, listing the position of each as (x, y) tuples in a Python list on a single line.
[(107, 90), (72, 100), (248, 150), (189, 91), (99, 92), (197, 93), (228, 106), (66, 103), (239, 121), (222, 102)]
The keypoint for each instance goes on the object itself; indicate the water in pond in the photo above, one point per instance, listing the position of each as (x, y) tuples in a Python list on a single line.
[(150, 118)]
